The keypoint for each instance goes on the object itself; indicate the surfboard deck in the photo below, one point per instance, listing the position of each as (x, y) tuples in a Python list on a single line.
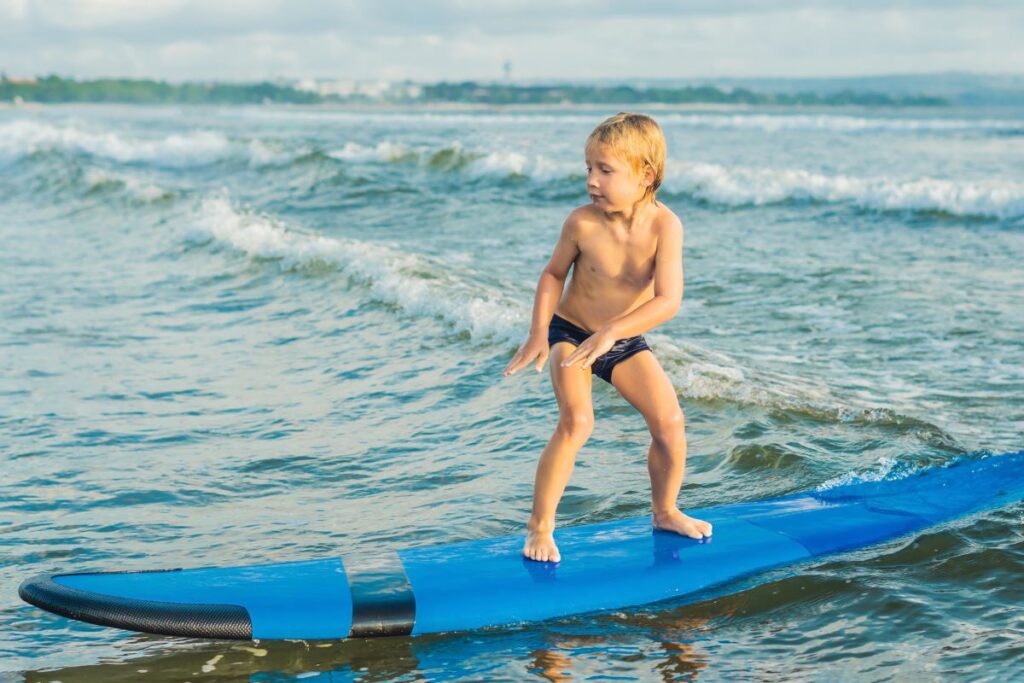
[(475, 584)]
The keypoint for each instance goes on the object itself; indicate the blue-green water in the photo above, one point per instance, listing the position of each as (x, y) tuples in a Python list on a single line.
[(261, 334)]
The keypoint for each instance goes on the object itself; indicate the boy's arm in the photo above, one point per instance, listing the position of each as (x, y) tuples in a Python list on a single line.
[(552, 279), (668, 287)]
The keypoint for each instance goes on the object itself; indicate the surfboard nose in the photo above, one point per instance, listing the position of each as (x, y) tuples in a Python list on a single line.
[(194, 620)]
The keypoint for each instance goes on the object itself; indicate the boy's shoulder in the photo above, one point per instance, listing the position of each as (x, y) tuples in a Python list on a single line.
[(587, 214), (579, 220), (584, 213), (666, 218)]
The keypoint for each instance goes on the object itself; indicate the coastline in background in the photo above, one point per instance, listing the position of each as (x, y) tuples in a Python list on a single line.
[(921, 90)]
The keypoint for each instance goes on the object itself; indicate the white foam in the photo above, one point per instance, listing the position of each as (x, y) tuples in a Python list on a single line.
[(537, 167), (476, 162), (886, 468), (271, 154), (418, 285), (23, 137), (738, 186), (383, 151)]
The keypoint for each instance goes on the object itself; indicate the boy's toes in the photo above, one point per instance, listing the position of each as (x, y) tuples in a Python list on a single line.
[(541, 554)]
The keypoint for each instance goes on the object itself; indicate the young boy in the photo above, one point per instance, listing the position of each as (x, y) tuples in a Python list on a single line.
[(625, 249)]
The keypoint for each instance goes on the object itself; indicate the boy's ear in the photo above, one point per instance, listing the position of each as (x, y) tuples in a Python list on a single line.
[(648, 174)]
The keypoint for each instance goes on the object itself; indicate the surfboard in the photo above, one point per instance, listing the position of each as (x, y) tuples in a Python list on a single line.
[(481, 583)]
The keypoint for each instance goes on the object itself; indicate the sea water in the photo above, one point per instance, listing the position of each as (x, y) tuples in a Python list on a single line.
[(259, 334)]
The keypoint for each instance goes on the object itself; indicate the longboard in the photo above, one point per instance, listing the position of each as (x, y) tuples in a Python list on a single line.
[(475, 584)]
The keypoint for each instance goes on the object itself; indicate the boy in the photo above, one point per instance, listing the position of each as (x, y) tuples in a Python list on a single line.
[(626, 252)]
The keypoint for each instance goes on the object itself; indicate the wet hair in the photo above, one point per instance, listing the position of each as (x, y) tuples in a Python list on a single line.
[(636, 139)]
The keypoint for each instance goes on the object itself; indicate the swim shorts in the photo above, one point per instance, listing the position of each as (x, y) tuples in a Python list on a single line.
[(563, 330)]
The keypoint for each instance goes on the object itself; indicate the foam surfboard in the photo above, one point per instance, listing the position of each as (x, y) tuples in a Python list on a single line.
[(475, 584)]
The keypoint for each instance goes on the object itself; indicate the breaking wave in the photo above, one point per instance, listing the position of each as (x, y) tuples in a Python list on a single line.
[(715, 184), (739, 186), (414, 283), (23, 138)]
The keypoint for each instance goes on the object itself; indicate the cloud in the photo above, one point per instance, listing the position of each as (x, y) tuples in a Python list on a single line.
[(455, 39)]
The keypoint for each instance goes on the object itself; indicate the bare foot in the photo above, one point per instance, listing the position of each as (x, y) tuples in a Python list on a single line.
[(540, 546), (676, 521)]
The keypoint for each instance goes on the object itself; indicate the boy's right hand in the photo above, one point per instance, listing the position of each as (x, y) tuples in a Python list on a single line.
[(534, 350)]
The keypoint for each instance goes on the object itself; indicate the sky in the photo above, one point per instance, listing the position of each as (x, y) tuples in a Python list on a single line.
[(433, 40)]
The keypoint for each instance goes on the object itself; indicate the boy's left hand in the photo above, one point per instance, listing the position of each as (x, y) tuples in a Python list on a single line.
[(592, 347)]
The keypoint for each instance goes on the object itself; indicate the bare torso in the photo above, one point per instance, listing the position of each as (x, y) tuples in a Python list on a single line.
[(613, 274)]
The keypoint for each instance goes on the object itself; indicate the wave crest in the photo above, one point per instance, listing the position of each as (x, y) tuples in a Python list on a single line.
[(739, 186), (22, 138), (414, 283), (455, 157), (99, 180), (999, 199)]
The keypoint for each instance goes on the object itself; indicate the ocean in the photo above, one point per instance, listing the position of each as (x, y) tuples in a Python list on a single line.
[(254, 334)]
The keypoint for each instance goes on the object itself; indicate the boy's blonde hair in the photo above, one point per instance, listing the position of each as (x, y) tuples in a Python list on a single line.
[(636, 139)]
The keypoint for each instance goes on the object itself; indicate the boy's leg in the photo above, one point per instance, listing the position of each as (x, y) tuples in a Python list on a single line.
[(642, 381), (575, 423)]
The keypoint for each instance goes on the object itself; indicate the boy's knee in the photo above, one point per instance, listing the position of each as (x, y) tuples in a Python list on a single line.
[(577, 425), (669, 429)]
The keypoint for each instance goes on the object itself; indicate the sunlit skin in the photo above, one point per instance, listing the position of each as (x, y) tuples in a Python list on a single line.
[(626, 254)]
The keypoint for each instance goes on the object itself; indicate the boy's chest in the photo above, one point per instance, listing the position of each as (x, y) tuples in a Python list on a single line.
[(619, 256)]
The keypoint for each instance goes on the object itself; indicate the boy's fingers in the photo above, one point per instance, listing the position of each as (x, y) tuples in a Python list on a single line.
[(519, 362), (511, 367), (574, 357), (585, 360)]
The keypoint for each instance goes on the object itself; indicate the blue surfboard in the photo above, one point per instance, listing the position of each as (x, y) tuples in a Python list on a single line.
[(474, 584)]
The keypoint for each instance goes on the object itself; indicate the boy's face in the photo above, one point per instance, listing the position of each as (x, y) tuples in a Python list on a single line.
[(611, 182)]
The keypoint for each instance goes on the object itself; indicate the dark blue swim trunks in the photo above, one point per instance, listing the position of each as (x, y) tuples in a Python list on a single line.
[(563, 330)]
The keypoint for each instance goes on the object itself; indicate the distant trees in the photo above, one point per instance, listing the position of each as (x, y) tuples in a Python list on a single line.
[(470, 91), (57, 89)]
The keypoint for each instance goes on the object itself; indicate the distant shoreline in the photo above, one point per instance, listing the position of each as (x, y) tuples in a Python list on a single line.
[(411, 106), (456, 107), (468, 94)]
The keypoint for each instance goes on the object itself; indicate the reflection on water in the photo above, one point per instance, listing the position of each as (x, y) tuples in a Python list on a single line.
[(673, 650)]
